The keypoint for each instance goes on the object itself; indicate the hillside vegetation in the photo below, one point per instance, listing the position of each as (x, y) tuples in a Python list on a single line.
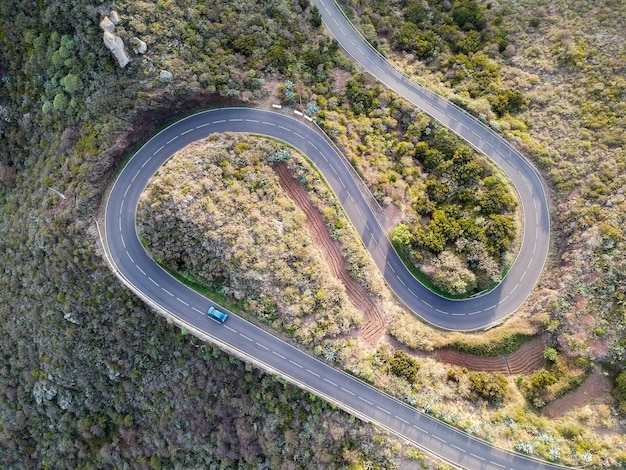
[(550, 76), (90, 377), (191, 216), (216, 214)]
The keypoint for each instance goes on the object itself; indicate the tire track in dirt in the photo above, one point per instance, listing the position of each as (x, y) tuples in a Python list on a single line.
[(374, 318), (527, 359)]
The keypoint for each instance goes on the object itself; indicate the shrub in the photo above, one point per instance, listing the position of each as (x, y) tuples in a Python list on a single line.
[(492, 387), (403, 365), (550, 354), (620, 391)]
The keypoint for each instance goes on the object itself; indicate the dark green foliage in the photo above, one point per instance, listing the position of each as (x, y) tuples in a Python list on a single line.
[(416, 13), (244, 44), (620, 391), (363, 98), (492, 387), (542, 378), (316, 17), (510, 101), (451, 228), (403, 365), (411, 38), (458, 42)]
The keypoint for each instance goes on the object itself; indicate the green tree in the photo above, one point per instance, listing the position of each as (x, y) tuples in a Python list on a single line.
[(510, 101), (363, 98), (620, 391), (71, 83), (60, 101), (410, 38), (316, 17), (403, 365), (500, 231), (468, 15), (542, 379), (489, 386), (416, 13)]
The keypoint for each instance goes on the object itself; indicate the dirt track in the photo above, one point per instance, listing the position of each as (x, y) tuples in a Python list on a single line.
[(526, 360), (374, 318)]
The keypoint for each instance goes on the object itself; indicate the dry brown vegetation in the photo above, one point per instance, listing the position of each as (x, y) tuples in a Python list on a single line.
[(218, 215), (374, 318)]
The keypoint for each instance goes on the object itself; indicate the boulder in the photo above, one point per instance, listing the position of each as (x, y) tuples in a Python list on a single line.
[(107, 25), (115, 18), (115, 44), (139, 47), (166, 76)]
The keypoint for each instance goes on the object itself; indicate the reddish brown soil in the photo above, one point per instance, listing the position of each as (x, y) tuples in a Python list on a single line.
[(374, 318), (527, 359), (593, 390)]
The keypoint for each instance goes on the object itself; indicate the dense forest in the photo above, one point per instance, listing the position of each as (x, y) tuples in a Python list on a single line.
[(90, 377)]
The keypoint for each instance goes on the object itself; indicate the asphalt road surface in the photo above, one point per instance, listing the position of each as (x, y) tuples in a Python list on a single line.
[(138, 271)]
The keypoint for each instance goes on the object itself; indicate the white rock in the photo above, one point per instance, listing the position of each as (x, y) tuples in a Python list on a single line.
[(116, 46), (107, 25), (115, 18), (139, 47), (166, 76)]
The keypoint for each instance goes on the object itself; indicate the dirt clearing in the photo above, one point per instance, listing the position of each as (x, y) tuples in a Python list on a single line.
[(374, 318)]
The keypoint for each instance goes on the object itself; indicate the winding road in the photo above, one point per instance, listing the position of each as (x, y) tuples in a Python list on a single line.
[(139, 272)]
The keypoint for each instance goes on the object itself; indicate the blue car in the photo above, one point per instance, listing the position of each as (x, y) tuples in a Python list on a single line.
[(217, 315)]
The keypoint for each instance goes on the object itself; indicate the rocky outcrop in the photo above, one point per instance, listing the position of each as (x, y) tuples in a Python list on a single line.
[(112, 41), (115, 44), (139, 47), (107, 25), (115, 18), (166, 76)]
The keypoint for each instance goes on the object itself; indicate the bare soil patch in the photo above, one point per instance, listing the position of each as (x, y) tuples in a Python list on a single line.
[(374, 318), (392, 215), (526, 360), (594, 390)]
